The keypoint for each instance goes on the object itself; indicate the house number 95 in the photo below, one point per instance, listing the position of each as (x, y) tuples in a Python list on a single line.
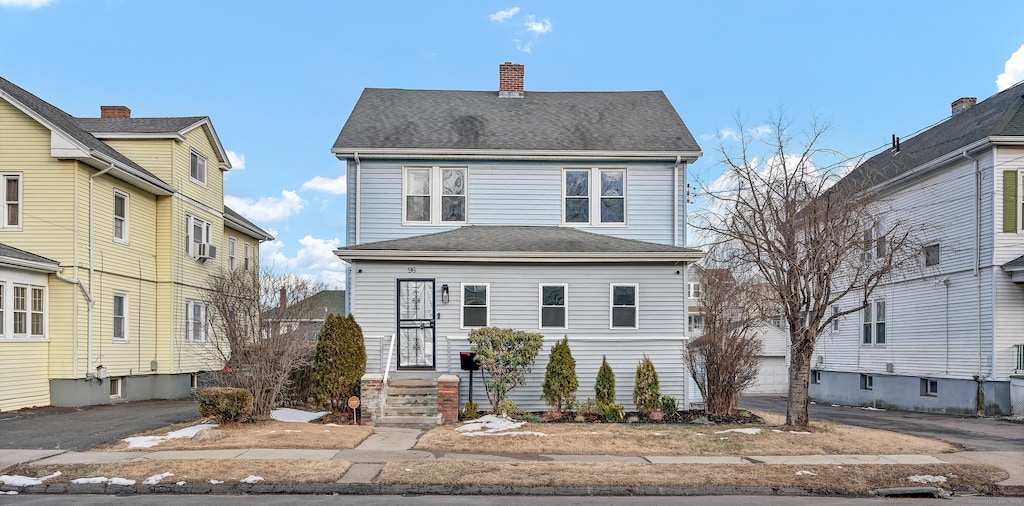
[(412, 269)]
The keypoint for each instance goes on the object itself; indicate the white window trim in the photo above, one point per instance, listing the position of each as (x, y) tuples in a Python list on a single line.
[(119, 384), (927, 391), (204, 315), (867, 382), (207, 228), (124, 317), (21, 201), (938, 254), (541, 306), (594, 195), (205, 171), (232, 253), (693, 290), (462, 305), (435, 195), (636, 306), (693, 318), (124, 219), (873, 305), (835, 319), (248, 255)]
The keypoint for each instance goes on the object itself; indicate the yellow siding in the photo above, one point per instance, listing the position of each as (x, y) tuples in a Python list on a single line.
[(210, 195), (23, 375), (154, 155)]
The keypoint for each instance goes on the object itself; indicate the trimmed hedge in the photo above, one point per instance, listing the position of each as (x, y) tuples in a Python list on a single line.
[(225, 404)]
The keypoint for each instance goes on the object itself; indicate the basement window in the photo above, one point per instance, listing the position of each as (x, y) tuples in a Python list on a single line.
[(815, 377), (867, 382), (115, 388), (929, 387)]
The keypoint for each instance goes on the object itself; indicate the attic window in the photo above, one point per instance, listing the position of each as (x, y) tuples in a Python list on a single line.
[(197, 168)]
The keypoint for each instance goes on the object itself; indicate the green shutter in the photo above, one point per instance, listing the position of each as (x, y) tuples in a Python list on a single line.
[(1010, 201)]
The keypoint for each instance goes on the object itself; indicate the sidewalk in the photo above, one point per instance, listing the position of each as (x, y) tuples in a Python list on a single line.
[(395, 444)]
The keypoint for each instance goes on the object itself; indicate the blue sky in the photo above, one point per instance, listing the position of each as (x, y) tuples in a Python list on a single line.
[(279, 79)]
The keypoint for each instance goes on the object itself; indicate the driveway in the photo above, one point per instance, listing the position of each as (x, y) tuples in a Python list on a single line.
[(980, 434), (81, 429)]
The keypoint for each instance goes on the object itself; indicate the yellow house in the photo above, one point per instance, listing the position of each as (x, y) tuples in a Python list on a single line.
[(110, 228)]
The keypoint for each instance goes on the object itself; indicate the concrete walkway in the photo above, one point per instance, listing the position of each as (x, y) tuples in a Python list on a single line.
[(395, 444)]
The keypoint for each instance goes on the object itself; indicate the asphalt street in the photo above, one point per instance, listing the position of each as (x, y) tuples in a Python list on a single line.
[(82, 429), (973, 433)]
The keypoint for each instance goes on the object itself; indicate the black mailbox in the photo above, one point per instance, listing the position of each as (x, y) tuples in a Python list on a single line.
[(468, 361)]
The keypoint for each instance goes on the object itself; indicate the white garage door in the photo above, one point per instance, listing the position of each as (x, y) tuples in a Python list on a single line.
[(773, 378)]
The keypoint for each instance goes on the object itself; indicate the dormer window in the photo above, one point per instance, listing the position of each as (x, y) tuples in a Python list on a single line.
[(197, 168)]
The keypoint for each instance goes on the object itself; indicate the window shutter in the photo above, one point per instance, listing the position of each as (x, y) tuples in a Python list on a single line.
[(1010, 201)]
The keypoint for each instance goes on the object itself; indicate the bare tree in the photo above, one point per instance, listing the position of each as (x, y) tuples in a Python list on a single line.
[(813, 242), (724, 361), (260, 331)]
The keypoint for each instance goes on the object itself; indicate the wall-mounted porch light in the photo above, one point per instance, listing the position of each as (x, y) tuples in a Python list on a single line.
[(444, 294)]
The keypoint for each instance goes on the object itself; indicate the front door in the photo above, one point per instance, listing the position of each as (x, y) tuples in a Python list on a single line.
[(416, 324)]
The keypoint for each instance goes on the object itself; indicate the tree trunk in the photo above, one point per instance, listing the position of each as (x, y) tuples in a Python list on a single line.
[(799, 376)]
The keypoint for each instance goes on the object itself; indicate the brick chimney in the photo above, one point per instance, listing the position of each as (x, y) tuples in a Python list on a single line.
[(510, 80), (962, 104), (115, 111)]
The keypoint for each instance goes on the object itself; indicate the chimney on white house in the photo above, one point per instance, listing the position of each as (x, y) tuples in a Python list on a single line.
[(115, 111), (510, 80), (962, 104)]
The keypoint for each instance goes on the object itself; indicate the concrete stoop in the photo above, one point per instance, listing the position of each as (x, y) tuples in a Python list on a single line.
[(410, 402)]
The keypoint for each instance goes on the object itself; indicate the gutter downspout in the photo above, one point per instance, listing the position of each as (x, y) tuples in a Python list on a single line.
[(675, 200), (977, 247), (358, 192), (92, 269)]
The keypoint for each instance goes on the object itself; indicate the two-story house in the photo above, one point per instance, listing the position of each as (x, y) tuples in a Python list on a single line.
[(110, 226), (947, 334), (554, 212)]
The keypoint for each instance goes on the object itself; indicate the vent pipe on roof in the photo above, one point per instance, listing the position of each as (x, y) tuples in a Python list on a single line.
[(962, 104), (510, 80)]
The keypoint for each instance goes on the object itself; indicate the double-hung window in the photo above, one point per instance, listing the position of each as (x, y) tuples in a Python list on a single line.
[(232, 253), (693, 291), (475, 305), (120, 216), (835, 317), (245, 264), (624, 306), (553, 304), (197, 322), (197, 233), (12, 199), (37, 312), (875, 242), (434, 195), (594, 196), (873, 318), (120, 316), (695, 323), (197, 168), (931, 255), (3, 311), (29, 311)]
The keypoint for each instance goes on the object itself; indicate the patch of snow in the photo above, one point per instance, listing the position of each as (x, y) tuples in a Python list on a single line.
[(658, 434), (493, 425), (699, 434), (153, 480), (295, 415), (26, 481), (926, 478), (869, 408), (746, 430), (251, 479), (527, 433), (151, 441), (331, 425), (834, 405), (82, 481), (215, 482), (180, 483), (799, 432), (805, 473), (722, 438), (121, 481), (289, 430), (408, 470), (812, 402), (9, 492)]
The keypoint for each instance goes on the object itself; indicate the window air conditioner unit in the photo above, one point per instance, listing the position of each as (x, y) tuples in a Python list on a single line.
[(206, 251)]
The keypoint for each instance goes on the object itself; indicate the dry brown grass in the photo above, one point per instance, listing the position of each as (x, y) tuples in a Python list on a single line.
[(196, 471), (627, 439), (272, 434), (857, 479)]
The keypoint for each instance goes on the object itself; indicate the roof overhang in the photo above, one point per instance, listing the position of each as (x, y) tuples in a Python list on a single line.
[(232, 223), (1016, 270), (519, 257), (29, 265), (177, 136), (510, 154)]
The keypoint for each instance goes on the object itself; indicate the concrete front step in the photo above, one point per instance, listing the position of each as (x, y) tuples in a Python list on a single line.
[(412, 401), (390, 410), (412, 390), (409, 420), (413, 383)]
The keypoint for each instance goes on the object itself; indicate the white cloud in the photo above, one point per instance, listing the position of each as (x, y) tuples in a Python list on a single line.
[(532, 25), (315, 259), (1013, 71), (236, 160), (267, 209), (730, 134), (334, 185), (501, 16), (30, 4)]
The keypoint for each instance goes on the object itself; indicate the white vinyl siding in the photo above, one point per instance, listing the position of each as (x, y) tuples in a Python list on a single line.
[(121, 217), (594, 196), (120, 316), (197, 168), (476, 307), (12, 201), (554, 304), (624, 309)]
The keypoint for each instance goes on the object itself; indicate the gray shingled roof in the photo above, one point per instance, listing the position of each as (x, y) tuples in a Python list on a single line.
[(241, 221), (69, 125), (518, 240), (19, 254), (1000, 114), (632, 121), (138, 125), (1016, 263)]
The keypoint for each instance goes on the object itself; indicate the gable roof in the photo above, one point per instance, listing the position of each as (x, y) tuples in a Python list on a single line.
[(155, 128), (1000, 115), (238, 222), (518, 244), (60, 121), (583, 124), (21, 259)]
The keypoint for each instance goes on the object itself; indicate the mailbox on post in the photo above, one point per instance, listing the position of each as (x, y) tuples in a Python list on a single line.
[(467, 359)]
